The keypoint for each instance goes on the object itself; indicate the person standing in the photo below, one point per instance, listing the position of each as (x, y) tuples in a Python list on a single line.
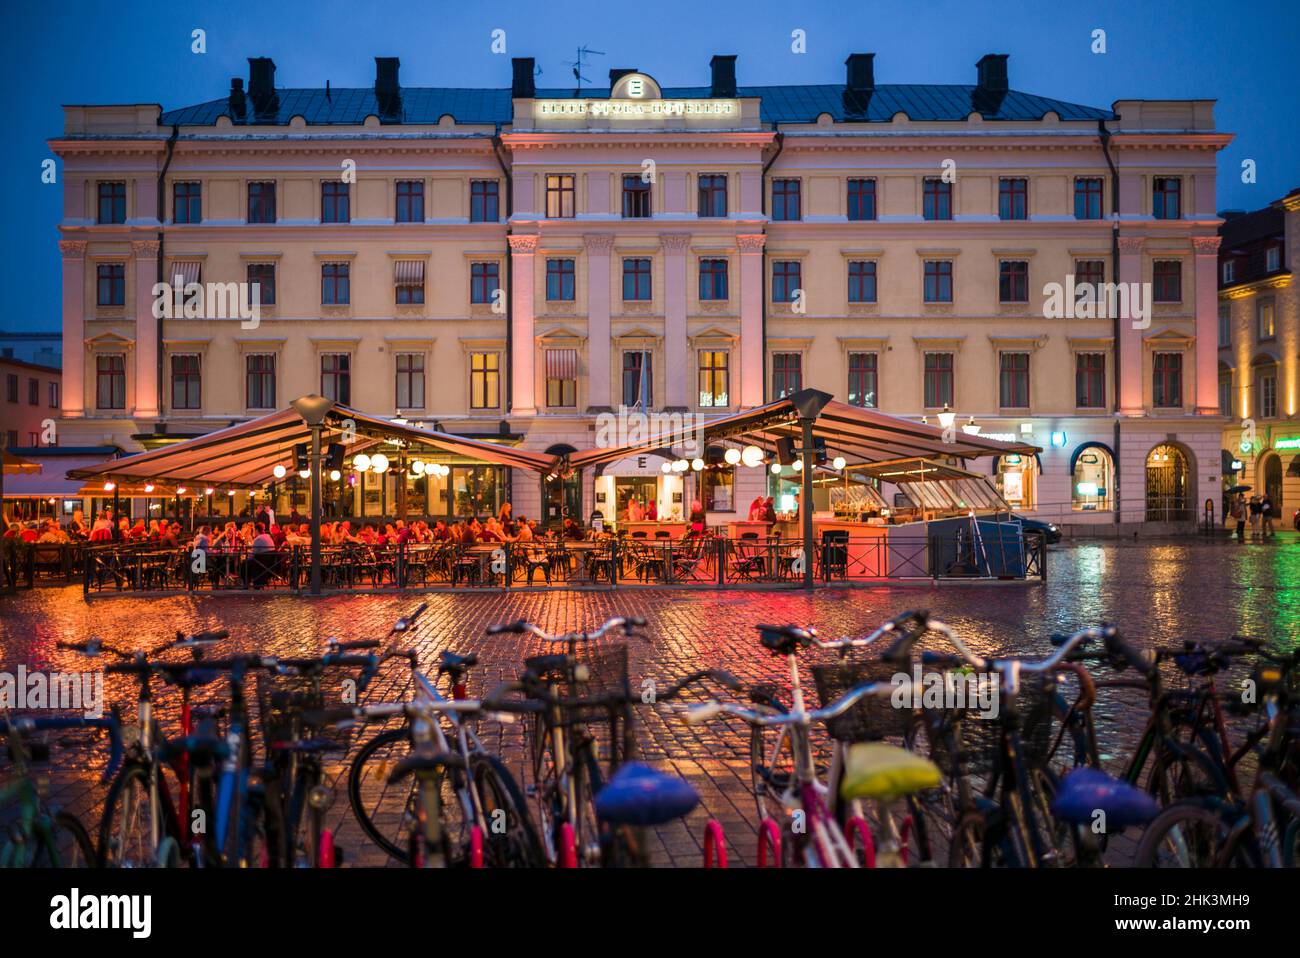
[(1255, 512), (1266, 515), (1238, 513)]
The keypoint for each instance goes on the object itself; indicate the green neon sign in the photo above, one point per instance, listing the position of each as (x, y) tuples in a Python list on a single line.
[(1290, 442)]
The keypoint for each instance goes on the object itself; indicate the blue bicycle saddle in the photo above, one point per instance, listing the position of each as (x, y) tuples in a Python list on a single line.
[(1086, 791), (639, 795)]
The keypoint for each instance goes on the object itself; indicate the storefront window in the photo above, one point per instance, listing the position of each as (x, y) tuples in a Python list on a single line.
[(1016, 479), (477, 490), (1090, 486), (717, 489)]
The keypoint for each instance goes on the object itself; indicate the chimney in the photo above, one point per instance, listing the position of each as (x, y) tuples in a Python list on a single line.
[(261, 79), (724, 75), (992, 69), (238, 103), (388, 94), (860, 76), (618, 73), (522, 84)]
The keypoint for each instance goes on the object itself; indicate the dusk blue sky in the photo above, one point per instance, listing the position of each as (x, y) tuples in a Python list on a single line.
[(1247, 56)]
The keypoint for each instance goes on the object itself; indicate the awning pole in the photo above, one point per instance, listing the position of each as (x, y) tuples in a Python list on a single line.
[(806, 505), (315, 510)]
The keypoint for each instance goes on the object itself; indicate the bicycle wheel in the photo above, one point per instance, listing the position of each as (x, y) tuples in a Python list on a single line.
[(980, 841), (1185, 835), (67, 845), (1186, 773), (771, 768), (511, 840), (125, 828)]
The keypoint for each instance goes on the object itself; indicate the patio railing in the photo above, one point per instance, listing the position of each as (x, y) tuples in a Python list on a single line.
[(709, 562)]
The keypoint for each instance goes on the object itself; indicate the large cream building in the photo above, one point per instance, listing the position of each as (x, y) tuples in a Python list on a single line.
[(509, 263)]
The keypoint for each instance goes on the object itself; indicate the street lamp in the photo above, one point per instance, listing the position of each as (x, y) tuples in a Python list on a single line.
[(947, 417)]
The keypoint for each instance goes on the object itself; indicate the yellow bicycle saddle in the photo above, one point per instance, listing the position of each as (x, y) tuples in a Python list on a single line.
[(881, 771)]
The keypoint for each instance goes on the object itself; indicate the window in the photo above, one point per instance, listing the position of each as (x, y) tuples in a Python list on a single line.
[(787, 374), (862, 199), (334, 202), (1090, 380), (862, 281), (559, 195), (713, 194), (410, 381), (335, 284), (717, 489), (938, 281), (112, 202), (562, 378), (1268, 392), (1013, 281), (110, 284), (786, 280), (936, 199), (1225, 393), (187, 203), (1167, 281), (560, 280), (786, 200), (1228, 271), (1090, 273), (863, 380), (1013, 199), (410, 201), (1265, 314), (484, 380), (1166, 197), (713, 279), (484, 200), (408, 279), (259, 371), (638, 379), (636, 279), (54, 395), (1225, 326), (13, 439), (1273, 259), (1167, 380), (713, 379), (263, 276), (484, 281), (636, 197), (1013, 381), (33, 392), (11, 387), (336, 377), (1087, 198), (261, 202), (110, 381), (186, 392), (938, 380)]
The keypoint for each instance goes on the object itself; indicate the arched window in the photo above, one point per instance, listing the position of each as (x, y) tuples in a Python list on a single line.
[(1168, 485), (1092, 479)]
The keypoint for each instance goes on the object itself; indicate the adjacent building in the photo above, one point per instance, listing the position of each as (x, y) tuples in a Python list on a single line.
[(514, 263), (1259, 349)]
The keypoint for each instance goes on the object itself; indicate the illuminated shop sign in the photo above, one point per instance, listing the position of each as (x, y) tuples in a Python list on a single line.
[(633, 109), (1290, 442)]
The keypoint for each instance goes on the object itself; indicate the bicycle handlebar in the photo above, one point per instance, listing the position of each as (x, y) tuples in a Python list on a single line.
[(521, 627), (697, 714), (110, 723), (967, 657)]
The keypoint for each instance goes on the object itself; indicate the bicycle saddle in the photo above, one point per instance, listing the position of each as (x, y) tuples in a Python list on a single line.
[(640, 795), (1086, 791), (784, 639), (886, 772), (765, 694), (423, 763)]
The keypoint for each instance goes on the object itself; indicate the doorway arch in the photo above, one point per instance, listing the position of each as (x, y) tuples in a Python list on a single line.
[(1169, 490), (1269, 473)]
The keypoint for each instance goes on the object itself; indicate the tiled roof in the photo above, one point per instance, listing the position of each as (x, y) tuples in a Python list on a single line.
[(780, 104)]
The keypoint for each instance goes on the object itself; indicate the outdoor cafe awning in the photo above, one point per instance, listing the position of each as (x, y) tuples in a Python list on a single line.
[(860, 435), (245, 455), (12, 465)]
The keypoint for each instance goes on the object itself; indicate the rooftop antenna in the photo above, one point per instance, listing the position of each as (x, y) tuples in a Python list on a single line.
[(583, 53)]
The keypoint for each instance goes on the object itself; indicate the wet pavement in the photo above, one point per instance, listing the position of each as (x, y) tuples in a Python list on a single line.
[(1156, 591)]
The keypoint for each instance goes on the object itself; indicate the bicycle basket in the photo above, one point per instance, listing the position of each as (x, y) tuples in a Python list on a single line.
[(978, 739), (280, 699), (599, 671), (870, 719)]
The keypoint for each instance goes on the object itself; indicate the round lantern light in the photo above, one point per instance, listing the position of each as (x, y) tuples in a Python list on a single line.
[(697, 464), (109, 486), (732, 456), (379, 462), (209, 491), (839, 463), (776, 468), (752, 456), (279, 471), (666, 468), (797, 465), (304, 473), (335, 475), (148, 487), (361, 462), (231, 493), (417, 467), (180, 490)]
